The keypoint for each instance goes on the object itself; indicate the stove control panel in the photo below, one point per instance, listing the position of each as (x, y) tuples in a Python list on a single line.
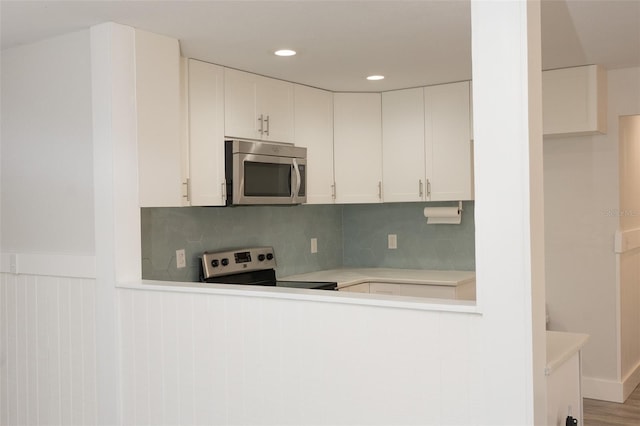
[(215, 264)]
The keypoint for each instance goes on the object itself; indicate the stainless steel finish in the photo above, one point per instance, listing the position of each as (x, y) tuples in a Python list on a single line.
[(380, 190), (224, 190), (267, 152), (186, 193), (420, 188), (428, 188), (333, 191), (268, 148), (267, 121), (261, 124), (242, 260), (298, 181)]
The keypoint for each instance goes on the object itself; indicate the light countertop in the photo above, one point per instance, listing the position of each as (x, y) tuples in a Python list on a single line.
[(561, 346), (346, 277)]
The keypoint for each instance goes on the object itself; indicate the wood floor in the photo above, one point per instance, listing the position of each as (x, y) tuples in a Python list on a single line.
[(602, 413)]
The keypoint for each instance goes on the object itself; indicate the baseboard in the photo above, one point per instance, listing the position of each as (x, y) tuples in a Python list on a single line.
[(51, 265), (605, 390), (631, 381)]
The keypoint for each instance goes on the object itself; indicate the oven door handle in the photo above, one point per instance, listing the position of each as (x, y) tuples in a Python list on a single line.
[(298, 180)]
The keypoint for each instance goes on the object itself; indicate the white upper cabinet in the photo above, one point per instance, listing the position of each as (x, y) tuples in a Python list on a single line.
[(205, 143), (314, 131), (574, 101), (158, 120), (358, 147), (258, 107), (427, 149), (448, 148), (403, 161)]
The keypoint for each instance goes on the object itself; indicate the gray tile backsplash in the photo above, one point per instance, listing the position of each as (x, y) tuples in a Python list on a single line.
[(288, 229), (348, 235), (420, 246)]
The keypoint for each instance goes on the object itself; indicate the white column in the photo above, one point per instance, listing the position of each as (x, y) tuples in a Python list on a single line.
[(117, 218), (509, 206)]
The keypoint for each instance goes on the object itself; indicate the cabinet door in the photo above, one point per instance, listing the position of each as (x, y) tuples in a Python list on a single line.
[(274, 100), (358, 147), (574, 101), (403, 168), (158, 120), (314, 130), (241, 116), (206, 134), (448, 142)]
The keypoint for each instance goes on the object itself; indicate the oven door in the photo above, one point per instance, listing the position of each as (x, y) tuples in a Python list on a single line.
[(265, 179)]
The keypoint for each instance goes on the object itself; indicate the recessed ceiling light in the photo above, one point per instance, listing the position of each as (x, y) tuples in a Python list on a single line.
[(285, 52), (375, 77)]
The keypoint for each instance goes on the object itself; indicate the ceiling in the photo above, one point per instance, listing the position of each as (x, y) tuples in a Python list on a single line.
[(339, 43)]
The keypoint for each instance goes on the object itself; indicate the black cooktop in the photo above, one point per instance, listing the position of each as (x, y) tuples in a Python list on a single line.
[(317, 285)]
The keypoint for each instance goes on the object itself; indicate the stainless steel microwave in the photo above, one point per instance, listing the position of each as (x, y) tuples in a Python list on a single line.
[(265, 173)]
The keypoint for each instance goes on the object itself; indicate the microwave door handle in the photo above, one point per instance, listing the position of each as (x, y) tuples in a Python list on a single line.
[(298, 179)]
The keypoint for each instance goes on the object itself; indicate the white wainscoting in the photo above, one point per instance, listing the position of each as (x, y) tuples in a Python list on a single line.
[(191, 358), (47, 350)]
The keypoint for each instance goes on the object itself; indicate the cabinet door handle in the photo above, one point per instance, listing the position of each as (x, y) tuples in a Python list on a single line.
[(187, 190), (224, 191), (420, 188), (428, 188), (261, 120), (380, 190), (266, 120), (333, 191)]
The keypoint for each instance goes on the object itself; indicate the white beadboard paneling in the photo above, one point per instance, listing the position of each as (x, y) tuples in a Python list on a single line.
[(12, 332), (125, 316), (47, 373), (141, 356), (3, 350), (154, 359), (21, 353), (89, 353), (248, 360), (31, 329), (76, 352), (170, 350), (65, 353), (185, 357)]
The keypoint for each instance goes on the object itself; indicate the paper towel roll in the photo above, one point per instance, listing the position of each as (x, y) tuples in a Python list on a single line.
[(446, 215)]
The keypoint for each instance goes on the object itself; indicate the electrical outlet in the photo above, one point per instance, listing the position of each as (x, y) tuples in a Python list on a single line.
[(314, 245), (181, 259), (392, 240)]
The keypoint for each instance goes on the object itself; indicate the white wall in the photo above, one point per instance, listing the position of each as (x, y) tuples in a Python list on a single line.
[(47, 317), (581, 191), (47, 162)]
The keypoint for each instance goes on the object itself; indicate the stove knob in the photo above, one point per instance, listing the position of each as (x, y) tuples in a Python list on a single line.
[(225, 261), (215, 263), (269, 256), (261, 257)]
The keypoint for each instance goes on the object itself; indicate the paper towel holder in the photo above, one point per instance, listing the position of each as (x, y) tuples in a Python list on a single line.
[(444, 215)]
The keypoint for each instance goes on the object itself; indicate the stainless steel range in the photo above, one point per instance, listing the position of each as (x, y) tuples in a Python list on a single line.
[(249, 266)]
